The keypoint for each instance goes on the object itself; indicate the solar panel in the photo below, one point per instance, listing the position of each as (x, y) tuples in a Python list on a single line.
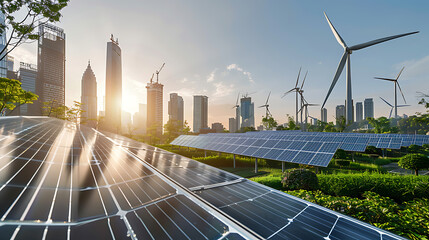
[(63, 182)]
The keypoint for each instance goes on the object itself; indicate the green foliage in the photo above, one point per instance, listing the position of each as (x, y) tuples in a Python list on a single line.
[(380, 125), (372, 150), (273, 181), (414, 161), (409, 220), (269, 123), (341, 123), (12, 94), (400, 188), (343, 163), (340, 154), (300, 179), (414, 148), (31, 14)]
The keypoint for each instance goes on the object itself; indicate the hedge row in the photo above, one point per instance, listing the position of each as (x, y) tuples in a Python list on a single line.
[(400, 188), (410, 219)]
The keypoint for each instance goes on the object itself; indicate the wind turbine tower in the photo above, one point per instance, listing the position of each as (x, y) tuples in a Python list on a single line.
[(395, 81), (346, 59)]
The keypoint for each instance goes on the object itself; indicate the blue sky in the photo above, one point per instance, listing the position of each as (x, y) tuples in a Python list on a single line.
[(219, 48)]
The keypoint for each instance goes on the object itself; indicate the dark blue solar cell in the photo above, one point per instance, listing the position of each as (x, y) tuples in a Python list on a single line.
[(270, 143), (273, 154), (261, 152), (287, 155), (303, 157), (283, 144), (258, 143), (312, 146), (296, 145)]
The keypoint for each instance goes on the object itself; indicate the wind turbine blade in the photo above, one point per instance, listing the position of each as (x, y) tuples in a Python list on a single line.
[(261, 106), (238, 96), (403, 105), (266, 103), (387, 79), (401, 92), (400, 73), (390, 115), (312, 104), (377, 41), (302, 85), (386, 102), (336, 76), (286, 93), (336, 34), (297, 79)]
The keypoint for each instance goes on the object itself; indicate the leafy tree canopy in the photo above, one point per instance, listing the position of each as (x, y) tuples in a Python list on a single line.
[(12, 94), (414, 161)]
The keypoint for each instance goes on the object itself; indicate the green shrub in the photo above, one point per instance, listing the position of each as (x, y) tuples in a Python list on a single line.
[(400, 188), (409, 220), (273, 181), (340, 154), (414, 161), (342, 163), (414, 148), (300, 179)]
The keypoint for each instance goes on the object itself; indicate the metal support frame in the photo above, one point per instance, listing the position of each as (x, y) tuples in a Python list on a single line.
[(283, 167), (205, 153), (256, 165), (233, 159)]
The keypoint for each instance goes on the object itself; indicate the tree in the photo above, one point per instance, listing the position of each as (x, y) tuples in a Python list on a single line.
[(380, 125), (269, 122), (72, 114), (172, 130), (414, 161), (341, 123), (12, 95), (186, 128), (291, 124), (36, 13)]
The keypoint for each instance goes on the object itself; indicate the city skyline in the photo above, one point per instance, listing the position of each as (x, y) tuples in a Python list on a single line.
[(222, 72)]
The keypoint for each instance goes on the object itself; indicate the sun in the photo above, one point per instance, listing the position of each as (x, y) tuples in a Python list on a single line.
[(129, 103)]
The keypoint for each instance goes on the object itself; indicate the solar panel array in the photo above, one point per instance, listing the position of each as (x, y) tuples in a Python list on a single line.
[(62, 182), (310, 148)]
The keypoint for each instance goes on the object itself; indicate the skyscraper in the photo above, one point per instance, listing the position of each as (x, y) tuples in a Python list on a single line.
[(139, 119), (359, 112), (218, 127), (200, 113), (3, 62), (28, 75), (340, 111), (324, 115), (175, 109), (368, 105), (50, 85), (89, 97), (113, 86), (232, 125), (154, 107), (247, 112)]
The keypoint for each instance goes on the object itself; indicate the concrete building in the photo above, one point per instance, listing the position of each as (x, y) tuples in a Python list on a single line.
[(51, 58), (113, 107), (359, 111), (368, 107), (27, 74), (324, 115), (340, 111), (218, 127), (200, 113), (232, 125), (139, 119), (154, 107), (176, 109), (89, 97), (247, 112)]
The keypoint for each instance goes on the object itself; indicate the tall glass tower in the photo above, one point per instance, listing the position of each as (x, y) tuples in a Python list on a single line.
[(247, 112), (3, 62)]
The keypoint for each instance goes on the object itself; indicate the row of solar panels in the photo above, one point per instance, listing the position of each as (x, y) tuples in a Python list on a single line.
[(310, 148)]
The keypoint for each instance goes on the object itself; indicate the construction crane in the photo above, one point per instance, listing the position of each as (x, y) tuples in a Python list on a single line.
[(151, 78), (157, 72)]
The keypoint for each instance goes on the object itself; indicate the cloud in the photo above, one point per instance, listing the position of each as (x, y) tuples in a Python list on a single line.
[(222, 90), (211, 76), (184, 80), (239, 69)]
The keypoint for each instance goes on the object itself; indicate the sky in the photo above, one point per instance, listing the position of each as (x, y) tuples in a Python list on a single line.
[(224, 48)]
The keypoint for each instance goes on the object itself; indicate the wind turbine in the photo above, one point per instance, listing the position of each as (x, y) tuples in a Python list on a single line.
[(346, 59), (301, 93), (305, 108), (237, 113), (266, 105), (157, 72), (296, 90), (391, 106), (396, 85)]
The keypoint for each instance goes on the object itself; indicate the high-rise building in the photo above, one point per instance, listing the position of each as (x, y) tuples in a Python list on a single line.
[(175, 109), (232, 125), (218, 127), (200, 113), (10, 62), (368, 107), (113, 108), (127, 124), (3, 62), (247, 112), (154, 107), (359, 112), (89, 97), (324, 115), (139, 119), (340, 111), (50, 84), (28, 77)]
